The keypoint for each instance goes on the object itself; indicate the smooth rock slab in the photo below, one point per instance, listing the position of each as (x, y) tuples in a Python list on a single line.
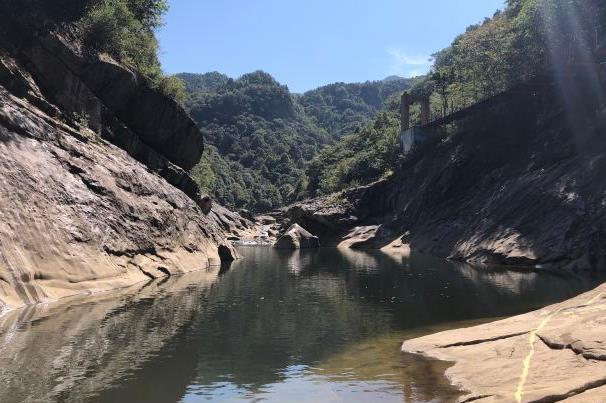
[(80, 216), (554, 354)]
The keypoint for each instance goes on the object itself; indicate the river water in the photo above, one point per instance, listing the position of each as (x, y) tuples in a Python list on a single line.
[(278, 326)]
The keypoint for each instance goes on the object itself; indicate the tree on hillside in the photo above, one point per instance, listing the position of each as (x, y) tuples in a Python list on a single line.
[(529, 37), (125, 29), (442, 79), (261, 133)]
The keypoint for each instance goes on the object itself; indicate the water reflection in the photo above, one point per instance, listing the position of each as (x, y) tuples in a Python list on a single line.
[(68, 350), (278, 326)]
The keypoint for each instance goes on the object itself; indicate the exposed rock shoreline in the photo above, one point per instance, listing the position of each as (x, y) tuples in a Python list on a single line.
[(518, 184), (557, 353), (94, 191), (80, 215)]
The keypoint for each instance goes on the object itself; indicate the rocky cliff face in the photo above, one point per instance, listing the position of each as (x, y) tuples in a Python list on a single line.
[(77, 213), (519, 183)]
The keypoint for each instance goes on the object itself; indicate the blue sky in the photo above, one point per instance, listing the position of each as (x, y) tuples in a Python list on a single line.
[(308, 43)]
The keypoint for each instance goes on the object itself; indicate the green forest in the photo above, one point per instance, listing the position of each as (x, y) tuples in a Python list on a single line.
[(528, 38), (267, 147), (270, 147), (261, 138)]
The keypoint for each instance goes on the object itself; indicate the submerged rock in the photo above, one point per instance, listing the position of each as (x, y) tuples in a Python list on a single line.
[(297, 237)]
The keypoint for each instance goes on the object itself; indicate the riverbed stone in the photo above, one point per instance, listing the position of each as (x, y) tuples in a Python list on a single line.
[(266, 219), (297, 237)]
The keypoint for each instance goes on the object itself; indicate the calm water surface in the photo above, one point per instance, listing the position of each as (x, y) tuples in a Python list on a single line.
[(313, 326)]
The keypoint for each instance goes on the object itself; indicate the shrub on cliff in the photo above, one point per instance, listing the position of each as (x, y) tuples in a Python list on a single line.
[(112, 26), (125, 30), (174, 87), (361, 157)]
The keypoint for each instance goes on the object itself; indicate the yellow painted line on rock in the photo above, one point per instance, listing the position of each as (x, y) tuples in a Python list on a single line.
[(594, 299), (532, 338)]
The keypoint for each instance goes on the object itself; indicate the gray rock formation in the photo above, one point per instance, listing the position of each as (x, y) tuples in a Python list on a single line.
[(330, 217), (77, 213), (297, 237), (80, 215), (520, 183), (117, 103), (112, 96)]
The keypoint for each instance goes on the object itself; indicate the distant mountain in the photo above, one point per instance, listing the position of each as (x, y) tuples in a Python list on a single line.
[(262, 137), (208, 82), (393, 78), (342, 108)]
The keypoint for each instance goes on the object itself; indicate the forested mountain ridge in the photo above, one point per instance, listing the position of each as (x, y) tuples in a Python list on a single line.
[(208, 82), (341, 108), (262, 137)]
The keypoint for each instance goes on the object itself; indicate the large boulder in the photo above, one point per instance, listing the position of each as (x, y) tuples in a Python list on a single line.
[(554, 354), (265, 220), (297, 237)]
